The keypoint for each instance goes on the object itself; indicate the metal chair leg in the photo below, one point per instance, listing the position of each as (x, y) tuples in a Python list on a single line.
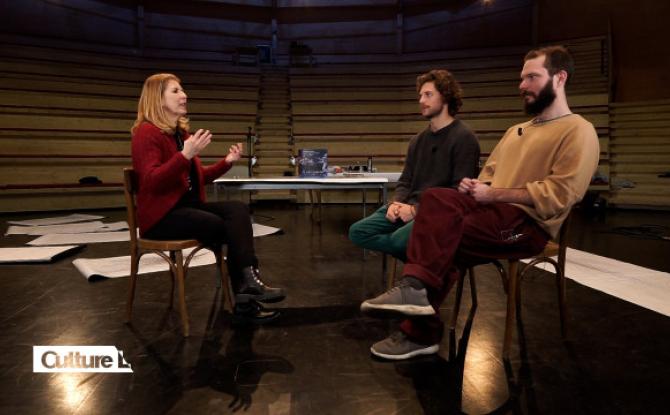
[(562, 307), (454, 314), (473, 287), (393, 269), (457, 306), (512, 281)]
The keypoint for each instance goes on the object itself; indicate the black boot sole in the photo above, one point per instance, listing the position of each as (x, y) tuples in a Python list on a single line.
[(263, 298)]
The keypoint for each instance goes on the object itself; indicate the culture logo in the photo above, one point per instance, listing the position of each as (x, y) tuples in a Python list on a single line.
[(108, 359)]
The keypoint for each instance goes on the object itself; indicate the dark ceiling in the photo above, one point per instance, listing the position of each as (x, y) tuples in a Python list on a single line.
[(313, 14)]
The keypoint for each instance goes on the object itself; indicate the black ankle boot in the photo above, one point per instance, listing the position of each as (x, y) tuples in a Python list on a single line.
[(252, 288)]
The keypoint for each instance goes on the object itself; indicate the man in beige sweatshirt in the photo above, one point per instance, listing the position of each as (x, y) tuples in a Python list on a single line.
[(531, 180)]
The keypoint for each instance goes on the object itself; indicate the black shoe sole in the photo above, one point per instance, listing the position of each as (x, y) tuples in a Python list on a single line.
[(245, 298)]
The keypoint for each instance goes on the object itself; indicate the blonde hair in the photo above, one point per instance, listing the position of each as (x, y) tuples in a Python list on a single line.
[(150, 107)]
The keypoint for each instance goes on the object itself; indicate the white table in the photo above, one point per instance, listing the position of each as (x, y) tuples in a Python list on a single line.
[(374, 181), (363, 183)]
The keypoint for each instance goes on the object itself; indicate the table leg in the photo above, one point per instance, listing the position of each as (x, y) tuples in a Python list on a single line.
[(365, 194)]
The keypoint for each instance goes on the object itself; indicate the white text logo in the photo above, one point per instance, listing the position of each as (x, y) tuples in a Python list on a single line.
[(79, 359)]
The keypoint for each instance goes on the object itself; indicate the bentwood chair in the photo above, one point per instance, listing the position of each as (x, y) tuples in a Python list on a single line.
[(511, 278), (172, 252)]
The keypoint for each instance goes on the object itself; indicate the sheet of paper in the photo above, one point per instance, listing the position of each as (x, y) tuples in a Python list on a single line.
[(117, 267), (35, 254), (264, 230), (118, 236), (81, 227), (642, 286), (80, 238), (58, 220)]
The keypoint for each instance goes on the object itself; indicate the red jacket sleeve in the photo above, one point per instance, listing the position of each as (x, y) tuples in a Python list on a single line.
[(160, 168), (210, 173)]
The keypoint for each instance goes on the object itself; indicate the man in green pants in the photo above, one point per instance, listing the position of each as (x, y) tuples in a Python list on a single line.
[(439, 156)]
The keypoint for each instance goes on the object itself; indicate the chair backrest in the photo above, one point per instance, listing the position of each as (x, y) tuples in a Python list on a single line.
[(558, 246), (130, 190)]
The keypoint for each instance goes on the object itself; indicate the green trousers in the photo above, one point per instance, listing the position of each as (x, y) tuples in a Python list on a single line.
[(378, 234)]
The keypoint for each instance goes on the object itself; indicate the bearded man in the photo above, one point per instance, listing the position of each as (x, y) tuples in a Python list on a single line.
[(531, 180)]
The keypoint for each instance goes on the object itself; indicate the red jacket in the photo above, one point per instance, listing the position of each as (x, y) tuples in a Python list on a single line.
[(162, 174)]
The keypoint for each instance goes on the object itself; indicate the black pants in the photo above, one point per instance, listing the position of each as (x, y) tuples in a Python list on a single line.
[(214, 224)]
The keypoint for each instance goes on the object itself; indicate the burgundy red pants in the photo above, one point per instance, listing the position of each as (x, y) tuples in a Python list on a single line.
[(453, 231)]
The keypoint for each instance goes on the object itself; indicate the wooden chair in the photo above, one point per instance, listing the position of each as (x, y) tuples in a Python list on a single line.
[(174, 257), (511, 279)]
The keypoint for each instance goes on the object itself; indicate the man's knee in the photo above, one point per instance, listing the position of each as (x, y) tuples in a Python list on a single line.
[(439, 199), (357, 231), (437, 193), (398, 247)]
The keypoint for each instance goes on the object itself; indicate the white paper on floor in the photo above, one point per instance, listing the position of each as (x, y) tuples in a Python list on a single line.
[(264, 230), (80, 238), (82, 227), (58, 220), (119, 236), (642, 286), (34, 254), (117, 267)]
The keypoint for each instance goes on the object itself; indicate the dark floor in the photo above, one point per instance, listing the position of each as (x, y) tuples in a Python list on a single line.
[(316, 359)]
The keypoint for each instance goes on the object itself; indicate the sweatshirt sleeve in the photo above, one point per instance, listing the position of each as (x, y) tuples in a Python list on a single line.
[(489, 169), (464, 159), (159, 176), (405, 181), (576, 161)]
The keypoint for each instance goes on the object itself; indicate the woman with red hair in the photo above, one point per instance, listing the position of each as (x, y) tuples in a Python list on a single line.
[(171, 194)]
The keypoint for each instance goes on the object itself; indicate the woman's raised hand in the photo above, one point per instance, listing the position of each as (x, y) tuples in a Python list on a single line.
[(196, 143), (234, 153)]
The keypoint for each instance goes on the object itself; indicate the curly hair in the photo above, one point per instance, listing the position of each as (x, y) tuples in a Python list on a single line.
[(446, 85)]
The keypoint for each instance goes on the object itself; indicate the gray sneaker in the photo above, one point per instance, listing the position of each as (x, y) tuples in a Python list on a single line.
[(398, 347), (403, 299)]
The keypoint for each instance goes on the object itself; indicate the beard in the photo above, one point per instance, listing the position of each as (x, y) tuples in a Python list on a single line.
[(543, 99), (433, 113)]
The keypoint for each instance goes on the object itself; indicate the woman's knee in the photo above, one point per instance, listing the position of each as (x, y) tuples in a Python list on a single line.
[(240, 208), (208, 228), (229, 209)]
